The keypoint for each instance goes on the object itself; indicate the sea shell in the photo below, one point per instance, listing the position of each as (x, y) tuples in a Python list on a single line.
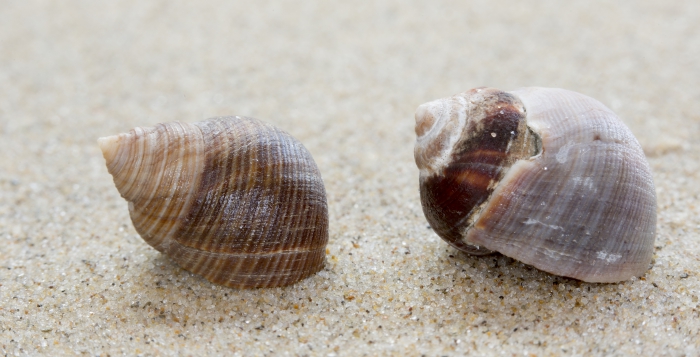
[(233, 199), (549, 177)]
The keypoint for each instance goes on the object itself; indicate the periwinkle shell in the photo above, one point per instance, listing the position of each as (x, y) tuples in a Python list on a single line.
[(233, 199), (547, 176)]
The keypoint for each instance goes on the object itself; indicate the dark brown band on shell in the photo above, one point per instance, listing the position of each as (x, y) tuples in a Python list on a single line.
[(494, 137), (272, 226)]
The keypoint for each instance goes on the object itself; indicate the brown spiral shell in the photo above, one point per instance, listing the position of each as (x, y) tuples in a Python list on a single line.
[(233, 199), (547, 176)]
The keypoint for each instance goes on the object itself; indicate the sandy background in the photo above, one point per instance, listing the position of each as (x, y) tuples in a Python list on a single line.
[(345, 79)]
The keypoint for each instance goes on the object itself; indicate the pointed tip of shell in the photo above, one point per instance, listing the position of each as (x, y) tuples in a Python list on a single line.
[(109, 146), (425, 117)]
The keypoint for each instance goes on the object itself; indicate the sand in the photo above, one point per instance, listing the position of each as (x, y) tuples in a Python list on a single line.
[(344, 78)]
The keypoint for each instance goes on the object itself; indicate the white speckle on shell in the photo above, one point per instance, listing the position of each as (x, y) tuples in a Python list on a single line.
[(563, 153), (534, 221), (607, 257)]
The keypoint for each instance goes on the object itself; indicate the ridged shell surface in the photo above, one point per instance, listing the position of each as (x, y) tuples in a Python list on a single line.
[(567, 189), (233, 199)]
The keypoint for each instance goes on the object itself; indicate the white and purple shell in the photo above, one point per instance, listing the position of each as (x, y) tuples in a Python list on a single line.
[(549, 177)]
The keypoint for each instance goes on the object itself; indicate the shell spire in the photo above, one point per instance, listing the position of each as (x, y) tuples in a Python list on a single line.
[(233, 199), (465, 145)]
